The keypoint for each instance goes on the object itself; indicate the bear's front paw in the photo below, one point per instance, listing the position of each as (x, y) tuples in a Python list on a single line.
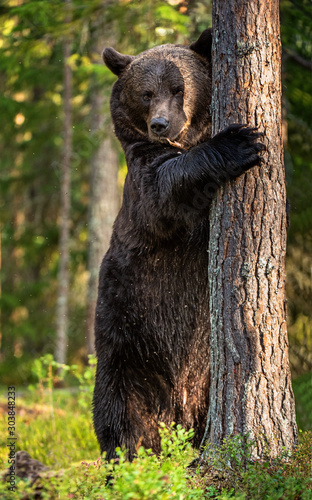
[(239, 147)]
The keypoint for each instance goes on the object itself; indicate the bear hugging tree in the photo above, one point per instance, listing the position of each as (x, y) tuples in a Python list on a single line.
[(152, 315)]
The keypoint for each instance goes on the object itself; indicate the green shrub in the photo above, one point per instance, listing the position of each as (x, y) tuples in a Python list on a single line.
[(54, 426)]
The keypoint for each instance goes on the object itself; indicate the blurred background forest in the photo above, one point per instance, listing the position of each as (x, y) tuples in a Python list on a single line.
[(62, 170)]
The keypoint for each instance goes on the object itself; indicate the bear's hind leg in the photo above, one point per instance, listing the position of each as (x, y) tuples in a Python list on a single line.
[(127, 409), (112, 424)]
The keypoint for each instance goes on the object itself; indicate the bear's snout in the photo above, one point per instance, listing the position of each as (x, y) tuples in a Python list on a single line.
[(159, 126)]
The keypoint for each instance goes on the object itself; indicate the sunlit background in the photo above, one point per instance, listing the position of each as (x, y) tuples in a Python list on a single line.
[(32, 132)]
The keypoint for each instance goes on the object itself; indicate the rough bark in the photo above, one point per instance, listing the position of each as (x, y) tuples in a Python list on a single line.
[(63, 272), (104, 202), (104, 197), (251, 385)]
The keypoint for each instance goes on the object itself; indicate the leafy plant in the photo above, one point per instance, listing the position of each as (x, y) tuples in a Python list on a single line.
[(64, 440)]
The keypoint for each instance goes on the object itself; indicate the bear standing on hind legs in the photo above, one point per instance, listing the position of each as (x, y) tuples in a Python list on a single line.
[(152, 315)]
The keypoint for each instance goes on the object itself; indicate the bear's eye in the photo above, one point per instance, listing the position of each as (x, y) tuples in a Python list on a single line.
[(147, 96), (178, 92)]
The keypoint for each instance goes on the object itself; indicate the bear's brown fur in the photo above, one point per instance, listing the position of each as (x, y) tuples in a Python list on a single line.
[(152, 317)]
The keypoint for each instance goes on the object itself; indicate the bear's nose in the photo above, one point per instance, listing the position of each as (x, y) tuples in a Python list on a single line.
[(159, 126)]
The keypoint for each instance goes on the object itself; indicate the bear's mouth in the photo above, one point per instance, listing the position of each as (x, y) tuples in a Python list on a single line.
[(166, 140), (173, 141)]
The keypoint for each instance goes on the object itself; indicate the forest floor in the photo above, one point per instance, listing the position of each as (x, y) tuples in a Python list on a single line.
[(61, 460)]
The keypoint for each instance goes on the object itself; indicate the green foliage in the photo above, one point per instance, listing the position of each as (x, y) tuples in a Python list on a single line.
[(55, 416), (232, 470), (303, 390), (283, 477), (54, 426), (296, 30), (200, 15), (50, 374), (167, 476), (57, 440), (150, 477), (234, 453)]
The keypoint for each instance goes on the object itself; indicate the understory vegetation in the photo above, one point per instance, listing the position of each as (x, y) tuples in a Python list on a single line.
[(54, 426), (53, 414)]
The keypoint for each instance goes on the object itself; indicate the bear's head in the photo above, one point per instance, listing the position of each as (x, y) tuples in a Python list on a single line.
[(163, 94)]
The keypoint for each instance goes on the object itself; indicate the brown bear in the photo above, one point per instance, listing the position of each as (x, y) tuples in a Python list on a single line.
[(152, 315)]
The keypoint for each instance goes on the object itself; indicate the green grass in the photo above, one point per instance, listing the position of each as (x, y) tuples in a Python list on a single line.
[(303, 395), (54, 426)]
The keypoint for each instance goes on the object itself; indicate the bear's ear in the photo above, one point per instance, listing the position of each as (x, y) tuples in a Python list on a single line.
[(115, 61), (202, 46)]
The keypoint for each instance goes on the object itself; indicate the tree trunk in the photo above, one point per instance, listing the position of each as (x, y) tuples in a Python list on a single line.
[(104, 197), (63, 273), (104, 202), (251, 385)]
